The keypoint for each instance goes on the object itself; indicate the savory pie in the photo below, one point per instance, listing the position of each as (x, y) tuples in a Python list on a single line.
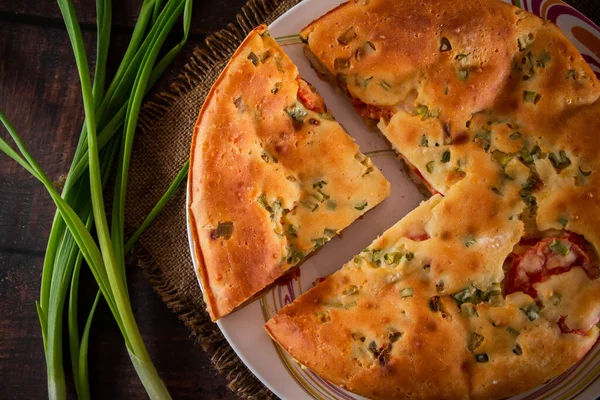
[(273, 176), (491, 287)]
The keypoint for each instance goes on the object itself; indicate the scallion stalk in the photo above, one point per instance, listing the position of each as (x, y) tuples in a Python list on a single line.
[(70, 240)]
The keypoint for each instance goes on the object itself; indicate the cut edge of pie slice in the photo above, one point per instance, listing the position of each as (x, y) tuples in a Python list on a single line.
[(273, 176)]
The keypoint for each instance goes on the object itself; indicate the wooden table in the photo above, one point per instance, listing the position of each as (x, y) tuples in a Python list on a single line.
[(40, 93)]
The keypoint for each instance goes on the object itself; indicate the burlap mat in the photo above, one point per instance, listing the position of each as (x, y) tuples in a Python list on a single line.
[(161, 147)]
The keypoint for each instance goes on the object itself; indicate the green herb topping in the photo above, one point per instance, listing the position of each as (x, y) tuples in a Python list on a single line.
[(501, 157), (531, 311), (394, 336), (350, 290), (361, 206), (392, 258), (484, 139), (512, 331), (224, 230), (330, 232), (406, 292), (358, 336), (559, 247), (430, 166), (297, 112), (559, 162), (446, 156), (445, 45), (341, 63), (475, 341), (253, 57), (515, 136), (346, 37), (386, 86), (517, 349), (531, 97)]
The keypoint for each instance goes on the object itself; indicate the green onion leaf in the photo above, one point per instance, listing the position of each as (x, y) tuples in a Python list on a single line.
[(445, 45), (531, 97), (446, 156), (559, 247), (361, 206)]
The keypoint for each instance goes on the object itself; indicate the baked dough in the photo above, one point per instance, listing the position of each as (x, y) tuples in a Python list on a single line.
[(490, 287), (272, 178)]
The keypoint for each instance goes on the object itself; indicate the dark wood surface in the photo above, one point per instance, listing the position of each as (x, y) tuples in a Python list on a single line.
[(40, 93)]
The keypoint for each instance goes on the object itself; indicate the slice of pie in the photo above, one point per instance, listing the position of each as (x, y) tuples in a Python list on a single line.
[(492, 286), (273, 177)]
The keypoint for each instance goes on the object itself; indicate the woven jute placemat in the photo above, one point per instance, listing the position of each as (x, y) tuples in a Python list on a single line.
[(161, 147)]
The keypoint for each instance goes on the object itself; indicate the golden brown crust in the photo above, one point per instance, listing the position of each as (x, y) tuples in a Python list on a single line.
[(497, 111), (272, 176)]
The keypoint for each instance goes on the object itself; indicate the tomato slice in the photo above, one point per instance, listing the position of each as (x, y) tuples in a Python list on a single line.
[(370, 111), (547, 257), (309, 98), (544, 259)]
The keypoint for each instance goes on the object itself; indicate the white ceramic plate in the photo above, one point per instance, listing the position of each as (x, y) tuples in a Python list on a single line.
[(244, 328)]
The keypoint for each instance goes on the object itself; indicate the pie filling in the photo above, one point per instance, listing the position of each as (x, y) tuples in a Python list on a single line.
[(536, 260)]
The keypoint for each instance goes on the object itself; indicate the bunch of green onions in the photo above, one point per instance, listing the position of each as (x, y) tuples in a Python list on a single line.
[(106, 139)]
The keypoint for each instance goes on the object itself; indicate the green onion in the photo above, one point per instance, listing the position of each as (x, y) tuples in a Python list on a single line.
[(319, 242), (484, 139), (394, 336), (517, 349), (341, 63), (346, 37), (531, 97), (584, 173), (446, 156), (512, 331), (501, 157), (386, 86), (559, 247), (361, 206), (463, 74), (406, 292), (350, 305), (470, 241), (223, 230), (358, 336), (531, 311), (392, 258), (445, 45), (430, 166), (297, 112), (475, 341), (330, 232), (253, 58), (105, 112), (515, 136), (424, 141), (350, 290)]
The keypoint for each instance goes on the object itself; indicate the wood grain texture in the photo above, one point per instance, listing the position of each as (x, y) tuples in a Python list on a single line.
[(208, 16), (40, 94)]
